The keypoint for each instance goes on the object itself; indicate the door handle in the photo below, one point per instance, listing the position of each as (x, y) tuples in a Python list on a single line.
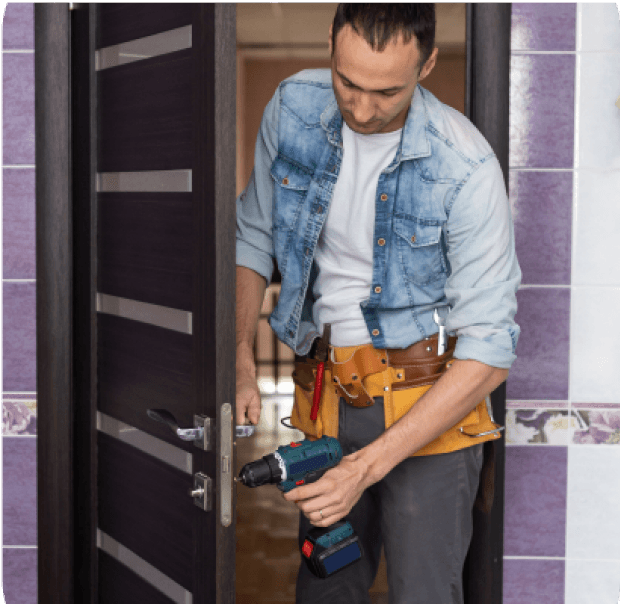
[(201, 433)]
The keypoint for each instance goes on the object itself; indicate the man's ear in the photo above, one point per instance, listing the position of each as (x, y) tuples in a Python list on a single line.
[(428, 66), (331, 28)]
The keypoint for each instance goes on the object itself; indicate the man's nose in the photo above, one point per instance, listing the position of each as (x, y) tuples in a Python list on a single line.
[(362, 108)]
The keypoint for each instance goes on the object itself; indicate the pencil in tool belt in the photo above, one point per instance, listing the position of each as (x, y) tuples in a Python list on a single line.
[(322, 348)]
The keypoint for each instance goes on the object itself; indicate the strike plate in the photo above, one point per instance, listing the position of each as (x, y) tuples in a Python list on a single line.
[(226, 457)]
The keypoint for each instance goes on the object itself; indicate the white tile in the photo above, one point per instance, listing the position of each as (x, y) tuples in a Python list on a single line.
[(593, 503), (600, 26), (592, 582), (599, 117), (596, 218), (594, 348)]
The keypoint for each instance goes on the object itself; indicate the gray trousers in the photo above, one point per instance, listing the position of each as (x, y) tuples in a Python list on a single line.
[(420, 512)]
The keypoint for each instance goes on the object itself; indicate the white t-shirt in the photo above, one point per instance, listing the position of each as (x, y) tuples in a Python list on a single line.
[(344, 251)]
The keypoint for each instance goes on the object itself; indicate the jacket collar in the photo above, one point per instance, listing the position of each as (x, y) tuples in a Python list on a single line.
[(414, 139)]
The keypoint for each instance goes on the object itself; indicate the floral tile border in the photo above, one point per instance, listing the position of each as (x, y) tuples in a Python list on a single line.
[(597, 426), (527, 422), (19, 414), (537, 426), (584, 423)]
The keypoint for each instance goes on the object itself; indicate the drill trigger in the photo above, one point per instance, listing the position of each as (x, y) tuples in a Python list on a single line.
[(315, 475)]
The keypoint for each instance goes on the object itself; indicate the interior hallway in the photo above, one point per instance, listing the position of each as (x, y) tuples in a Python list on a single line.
[(275, 41)]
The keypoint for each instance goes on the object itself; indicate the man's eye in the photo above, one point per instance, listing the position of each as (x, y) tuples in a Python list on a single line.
[(349, 85)]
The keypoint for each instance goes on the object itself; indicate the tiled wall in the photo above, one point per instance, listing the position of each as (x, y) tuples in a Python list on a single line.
[(19, 511), (562, 534), (562, 527)]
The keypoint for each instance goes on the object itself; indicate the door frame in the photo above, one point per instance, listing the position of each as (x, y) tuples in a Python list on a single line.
[(65, 292), (487, 98)]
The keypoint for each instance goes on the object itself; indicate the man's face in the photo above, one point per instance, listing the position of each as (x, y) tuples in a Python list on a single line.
[(374, 89)]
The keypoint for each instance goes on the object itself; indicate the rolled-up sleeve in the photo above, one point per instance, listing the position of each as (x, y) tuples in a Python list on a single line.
[(255, 203), (485, 273)]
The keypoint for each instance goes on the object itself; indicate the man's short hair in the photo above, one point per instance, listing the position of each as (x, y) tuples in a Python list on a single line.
[(379, 23)]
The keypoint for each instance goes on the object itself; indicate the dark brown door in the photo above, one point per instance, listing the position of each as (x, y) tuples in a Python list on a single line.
[(165, 189), (149, 514)]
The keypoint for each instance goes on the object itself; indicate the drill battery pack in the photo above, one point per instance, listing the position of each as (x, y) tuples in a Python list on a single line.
[(328, 550)]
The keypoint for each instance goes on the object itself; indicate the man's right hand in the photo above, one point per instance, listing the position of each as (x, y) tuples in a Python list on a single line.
[(250, 294), (248, 400)]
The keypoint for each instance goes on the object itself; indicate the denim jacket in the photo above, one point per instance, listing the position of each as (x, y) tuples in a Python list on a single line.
[(443, 233)]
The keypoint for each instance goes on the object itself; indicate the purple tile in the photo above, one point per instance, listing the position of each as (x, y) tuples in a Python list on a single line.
[(543, 26), (18, 108), (19, 223), (542, 209), (18, 26), (19, 337), (19, 505), (541, 120), (533, 582), (535, 495), (19, 581), (541, 368), (19, 417)]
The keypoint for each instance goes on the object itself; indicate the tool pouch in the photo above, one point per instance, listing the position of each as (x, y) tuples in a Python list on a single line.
[(304, 373), (304, 377), (418, 365)]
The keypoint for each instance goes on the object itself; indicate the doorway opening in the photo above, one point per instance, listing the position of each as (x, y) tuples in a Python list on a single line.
[(275, 41)]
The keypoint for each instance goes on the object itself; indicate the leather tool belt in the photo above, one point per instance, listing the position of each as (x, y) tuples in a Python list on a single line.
[(418, 365), (401, 377)]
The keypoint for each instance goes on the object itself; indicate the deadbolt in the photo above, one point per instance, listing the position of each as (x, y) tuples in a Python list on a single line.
[(202, 491)]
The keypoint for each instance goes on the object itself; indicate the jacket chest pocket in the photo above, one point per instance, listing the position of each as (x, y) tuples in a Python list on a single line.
[(418, 247), (291, 184)]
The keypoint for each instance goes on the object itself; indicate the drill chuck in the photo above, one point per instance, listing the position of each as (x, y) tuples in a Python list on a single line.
[(267, 470)]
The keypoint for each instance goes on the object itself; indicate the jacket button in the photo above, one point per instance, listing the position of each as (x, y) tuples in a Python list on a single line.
[(413, 239), (319, 210), (375, 332), (378, 289), (381, 241), (285, 181), (384, 197)]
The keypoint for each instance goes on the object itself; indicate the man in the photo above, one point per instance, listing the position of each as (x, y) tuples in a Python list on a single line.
[(382, 206)]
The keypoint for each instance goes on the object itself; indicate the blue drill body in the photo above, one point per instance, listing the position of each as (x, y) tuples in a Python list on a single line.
[(307, 461)]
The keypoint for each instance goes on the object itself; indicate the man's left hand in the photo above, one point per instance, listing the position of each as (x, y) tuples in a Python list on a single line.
[(336, 492)]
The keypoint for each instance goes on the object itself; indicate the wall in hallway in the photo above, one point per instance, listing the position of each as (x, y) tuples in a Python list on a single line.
[(19, 513), (562, 537)]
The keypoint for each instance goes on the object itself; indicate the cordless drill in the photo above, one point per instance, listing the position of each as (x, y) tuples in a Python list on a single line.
[(326, 550)]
